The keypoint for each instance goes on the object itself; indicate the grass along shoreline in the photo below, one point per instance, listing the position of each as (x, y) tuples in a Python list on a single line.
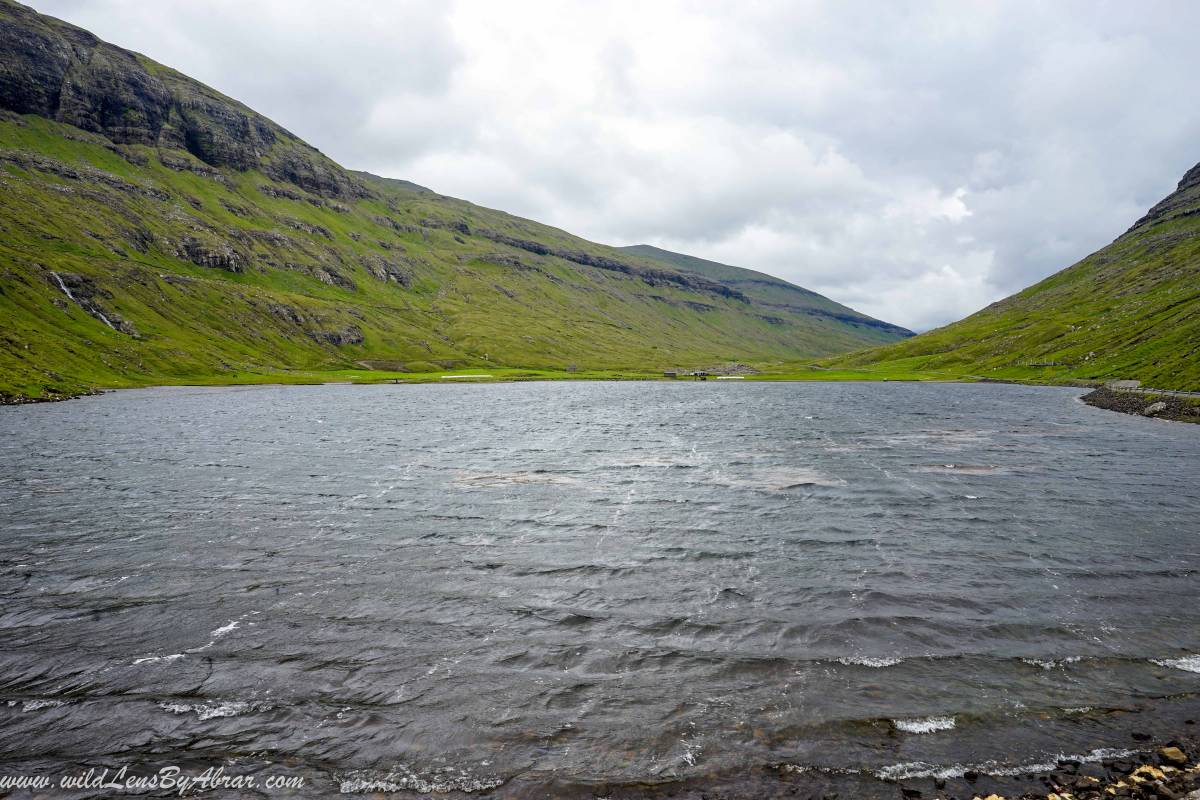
[(12, 395)]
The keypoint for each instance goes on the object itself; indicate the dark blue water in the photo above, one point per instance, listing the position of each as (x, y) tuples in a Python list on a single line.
[(482, 587)]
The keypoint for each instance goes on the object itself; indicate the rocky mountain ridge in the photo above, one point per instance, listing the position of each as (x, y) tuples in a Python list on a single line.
[(228, 249)]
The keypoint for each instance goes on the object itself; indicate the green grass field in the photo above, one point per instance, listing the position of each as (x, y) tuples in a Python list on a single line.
[(1128, 311)]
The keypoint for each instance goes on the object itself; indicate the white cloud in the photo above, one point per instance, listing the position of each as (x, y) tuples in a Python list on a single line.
[(913, 161)]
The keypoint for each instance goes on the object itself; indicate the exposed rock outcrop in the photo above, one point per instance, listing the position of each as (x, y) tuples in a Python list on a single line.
[(1179, 408), (348, 335), (385, 270), (83, 292), (64, 73), (651, 277), (212, 253), (1183, 202)]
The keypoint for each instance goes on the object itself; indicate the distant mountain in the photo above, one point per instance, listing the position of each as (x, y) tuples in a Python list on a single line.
[(153, 230), (1129, 310), (770, 291)]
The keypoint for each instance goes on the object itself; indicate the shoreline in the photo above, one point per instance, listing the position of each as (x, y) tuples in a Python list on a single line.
[(1145, 404), (1164, 770), (9, 399)]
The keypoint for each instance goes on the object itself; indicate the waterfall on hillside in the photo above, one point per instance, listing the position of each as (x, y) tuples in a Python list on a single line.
[(93, 310)]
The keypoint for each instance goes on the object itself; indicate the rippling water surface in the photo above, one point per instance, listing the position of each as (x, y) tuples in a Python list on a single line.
[(482, 587)]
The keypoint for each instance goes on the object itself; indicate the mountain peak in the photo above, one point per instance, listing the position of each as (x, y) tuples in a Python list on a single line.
[(64, 73)]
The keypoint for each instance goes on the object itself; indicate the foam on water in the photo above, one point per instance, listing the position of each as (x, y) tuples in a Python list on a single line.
[(1187, 663), (869, 661), (403, 779), (1052, 663), (154, 659), (38, 705), (224, 629), (920, 769), (924, 724), (206, 711)]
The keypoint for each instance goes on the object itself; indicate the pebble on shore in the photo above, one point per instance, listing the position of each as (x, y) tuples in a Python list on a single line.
[(1169, 778)]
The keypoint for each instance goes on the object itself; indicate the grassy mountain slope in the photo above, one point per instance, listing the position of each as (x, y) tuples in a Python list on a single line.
[(771, 292), (153, 230), (1129, 310)]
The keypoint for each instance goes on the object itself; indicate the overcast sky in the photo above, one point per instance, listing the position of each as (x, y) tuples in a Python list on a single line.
[(915, 161)]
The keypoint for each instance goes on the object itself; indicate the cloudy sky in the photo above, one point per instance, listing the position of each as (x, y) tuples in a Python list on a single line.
[(913, 160)]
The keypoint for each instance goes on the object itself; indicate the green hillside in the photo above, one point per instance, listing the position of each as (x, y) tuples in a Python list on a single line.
[(153, 230), (1130, 310), (770, 291)]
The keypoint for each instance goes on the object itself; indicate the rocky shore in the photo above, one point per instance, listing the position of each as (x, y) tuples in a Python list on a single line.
[(1145, 404), (1169, 773), (1165, 771), (7, 399)]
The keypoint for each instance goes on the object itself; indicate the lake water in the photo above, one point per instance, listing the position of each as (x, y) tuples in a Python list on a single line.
[(504, 588)]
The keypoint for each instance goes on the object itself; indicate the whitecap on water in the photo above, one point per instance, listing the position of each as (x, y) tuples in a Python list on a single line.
[(1187, 663), (691, 752), (924, 724), (869, 661), (224, 629), (921, 769), (153, 659), (231, 708), (1052, 663), (403, 779), (38, 705)]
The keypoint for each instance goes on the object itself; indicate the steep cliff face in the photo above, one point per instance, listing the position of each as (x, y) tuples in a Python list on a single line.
[(66, 74), (153, 230), (1183, 202), (1129, 310)]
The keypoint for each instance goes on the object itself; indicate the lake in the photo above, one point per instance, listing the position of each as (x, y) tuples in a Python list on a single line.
[(517, 588)]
